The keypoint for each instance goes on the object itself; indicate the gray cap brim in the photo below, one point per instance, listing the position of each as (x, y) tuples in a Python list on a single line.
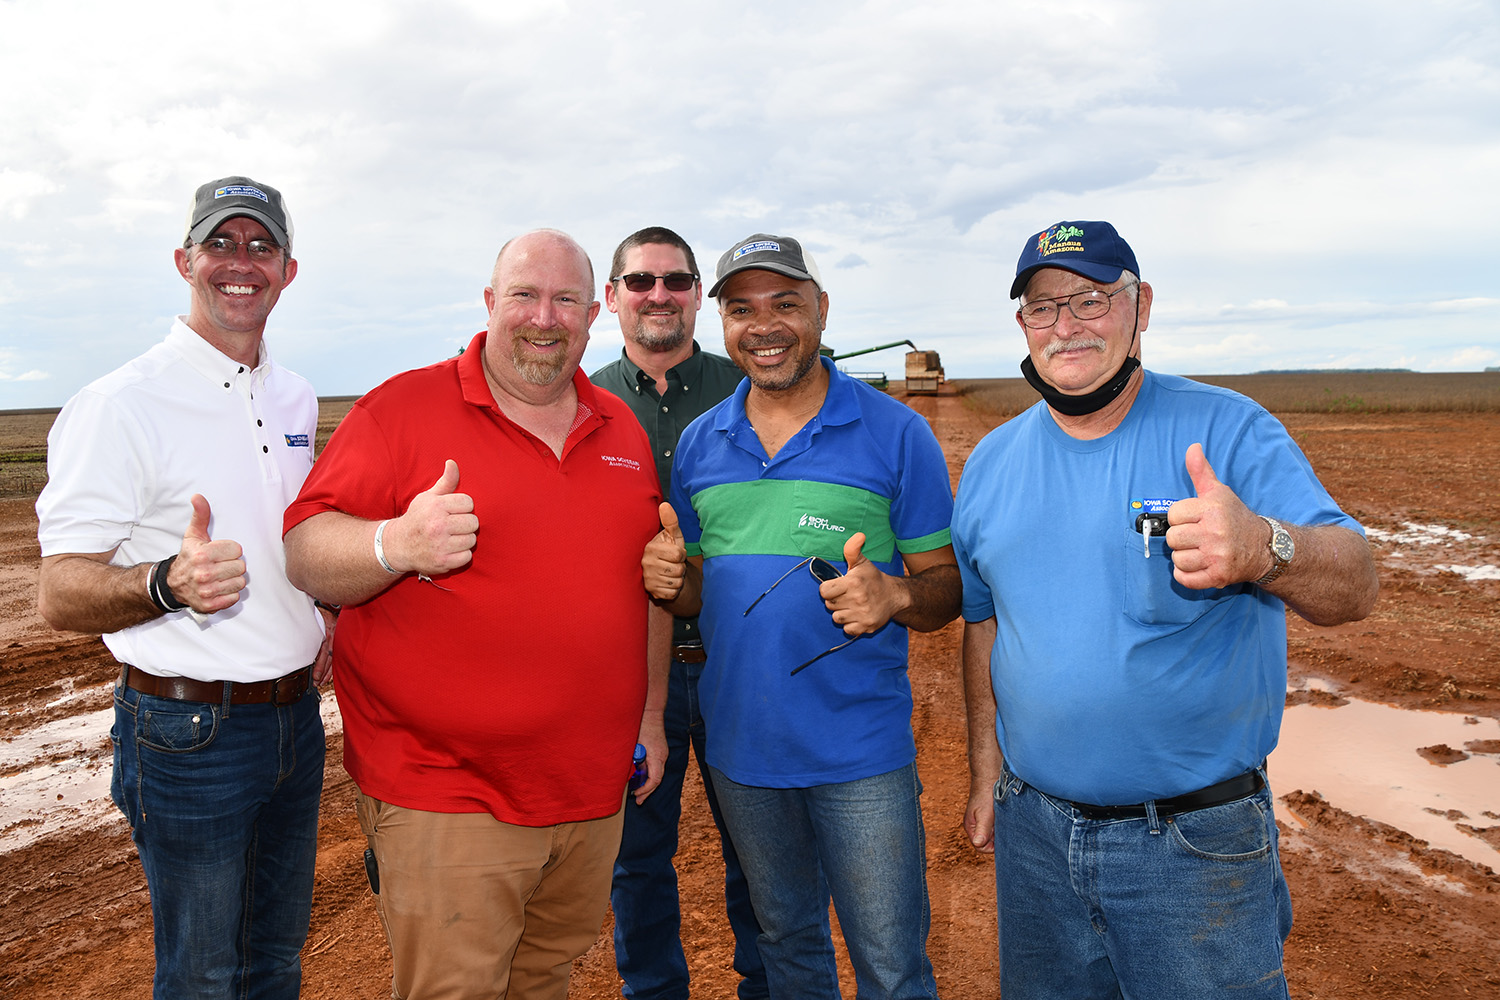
[(789, 271)]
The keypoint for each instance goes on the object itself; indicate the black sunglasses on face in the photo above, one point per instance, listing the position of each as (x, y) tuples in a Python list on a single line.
[(644, 281), (822, 570)]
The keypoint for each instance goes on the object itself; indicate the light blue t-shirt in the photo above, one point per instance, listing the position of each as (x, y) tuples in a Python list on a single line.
[(865, 463), (1114, 683)]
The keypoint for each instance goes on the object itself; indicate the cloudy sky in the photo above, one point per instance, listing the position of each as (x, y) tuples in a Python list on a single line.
[(1308, 184)]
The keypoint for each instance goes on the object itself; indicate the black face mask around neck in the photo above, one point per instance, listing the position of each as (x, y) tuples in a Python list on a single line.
[(1077, 406)]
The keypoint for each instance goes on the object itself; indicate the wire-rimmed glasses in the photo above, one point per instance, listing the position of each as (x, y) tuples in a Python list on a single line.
[(260, 250), (822, 570), (1040, 314)]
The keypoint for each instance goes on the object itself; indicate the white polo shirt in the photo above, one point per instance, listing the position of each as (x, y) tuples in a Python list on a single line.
[(127, 453)]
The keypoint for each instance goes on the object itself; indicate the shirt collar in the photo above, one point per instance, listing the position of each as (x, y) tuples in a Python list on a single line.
[(688, 370), (476, 388), (213, 364)]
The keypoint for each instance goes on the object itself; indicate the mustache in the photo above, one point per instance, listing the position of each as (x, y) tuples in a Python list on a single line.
[(763, 343), (526, 333), (1097, 343)]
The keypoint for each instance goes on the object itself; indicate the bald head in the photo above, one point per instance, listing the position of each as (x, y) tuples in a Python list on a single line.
[(541, 305), (546, 242)]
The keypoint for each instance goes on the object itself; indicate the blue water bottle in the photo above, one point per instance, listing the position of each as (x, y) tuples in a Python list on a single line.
[(638, 775)]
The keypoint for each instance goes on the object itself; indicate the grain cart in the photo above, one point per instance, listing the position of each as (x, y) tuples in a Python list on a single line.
[(924, 373)]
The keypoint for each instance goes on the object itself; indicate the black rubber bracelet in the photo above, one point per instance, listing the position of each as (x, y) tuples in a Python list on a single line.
[(159, 591)]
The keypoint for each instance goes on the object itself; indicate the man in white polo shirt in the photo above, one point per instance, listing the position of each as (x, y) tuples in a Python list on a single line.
[(160, 528)]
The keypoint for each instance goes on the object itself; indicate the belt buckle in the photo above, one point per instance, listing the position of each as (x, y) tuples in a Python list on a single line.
[(291, 692), (689, 652)]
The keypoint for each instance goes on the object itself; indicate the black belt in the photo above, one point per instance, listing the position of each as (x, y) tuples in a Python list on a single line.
[(281, 691), (1237, 787), (690, 653)]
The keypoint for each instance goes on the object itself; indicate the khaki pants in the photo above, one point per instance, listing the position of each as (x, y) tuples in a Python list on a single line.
[(477, 908)]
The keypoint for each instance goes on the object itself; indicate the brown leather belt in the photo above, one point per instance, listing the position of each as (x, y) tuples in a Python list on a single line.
[(1229, 790), (690, 654), (281, 691)]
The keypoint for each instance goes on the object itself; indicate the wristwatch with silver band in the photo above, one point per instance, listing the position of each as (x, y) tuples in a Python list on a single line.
[(1282, 550)]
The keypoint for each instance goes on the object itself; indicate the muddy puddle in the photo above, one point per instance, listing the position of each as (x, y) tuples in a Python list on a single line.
[(54, 778), (1369, 759), (1426, 773)]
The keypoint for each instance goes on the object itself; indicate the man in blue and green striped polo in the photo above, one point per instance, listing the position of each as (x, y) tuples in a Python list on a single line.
[(809, 530)]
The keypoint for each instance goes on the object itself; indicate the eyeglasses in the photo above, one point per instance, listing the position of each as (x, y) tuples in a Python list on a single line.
[(1088, 304), (644, 281), (822, 571), (220, 246)]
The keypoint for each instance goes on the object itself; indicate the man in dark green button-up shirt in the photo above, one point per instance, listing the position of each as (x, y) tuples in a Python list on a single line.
[(668, 381)]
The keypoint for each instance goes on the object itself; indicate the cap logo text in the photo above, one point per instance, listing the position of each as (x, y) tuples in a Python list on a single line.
[(241, 191), (1059, 240), (762, 246)]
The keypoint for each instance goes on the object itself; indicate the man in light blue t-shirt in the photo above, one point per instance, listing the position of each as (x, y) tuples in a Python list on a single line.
[(1128, 548)]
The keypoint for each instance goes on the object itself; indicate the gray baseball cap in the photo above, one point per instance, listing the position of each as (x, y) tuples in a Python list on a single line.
[(231, 197), (764, 252)]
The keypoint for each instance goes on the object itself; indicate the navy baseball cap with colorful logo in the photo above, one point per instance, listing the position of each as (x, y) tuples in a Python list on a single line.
[(1092, 249), (232, 197)]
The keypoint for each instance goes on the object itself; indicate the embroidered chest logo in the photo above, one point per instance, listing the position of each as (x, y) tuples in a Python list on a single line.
[(621, 462), (819, 523), (296, 440), (1151, 518)]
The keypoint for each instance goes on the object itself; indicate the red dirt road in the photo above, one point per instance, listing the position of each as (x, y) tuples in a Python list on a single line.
[(1378, 913)]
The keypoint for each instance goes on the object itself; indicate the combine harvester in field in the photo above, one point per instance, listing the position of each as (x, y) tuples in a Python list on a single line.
[(921, 366), (877, 379)]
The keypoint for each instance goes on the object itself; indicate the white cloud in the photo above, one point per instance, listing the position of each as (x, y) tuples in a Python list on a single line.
[(7, 361), (1294, 195)]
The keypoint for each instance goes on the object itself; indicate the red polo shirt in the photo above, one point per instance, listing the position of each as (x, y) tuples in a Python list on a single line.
[(514, 685)]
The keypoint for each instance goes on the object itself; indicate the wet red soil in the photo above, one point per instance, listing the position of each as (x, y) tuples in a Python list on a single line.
[(1378, 913)]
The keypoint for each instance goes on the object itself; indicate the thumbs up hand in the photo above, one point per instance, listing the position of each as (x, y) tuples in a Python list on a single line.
[(438, 531), (1216, 540), (664, 563), (864, 598), (206, 574)]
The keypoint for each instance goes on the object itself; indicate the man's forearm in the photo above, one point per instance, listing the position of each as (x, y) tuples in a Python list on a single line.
[(984, 749), (658, 657), (936, 595), (331, 557), (1332, 578), (979, 701), (83, 592)]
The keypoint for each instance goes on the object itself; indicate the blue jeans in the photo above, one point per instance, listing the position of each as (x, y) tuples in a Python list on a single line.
[(648, 916), (1191, 905), (860, 842), (223, 808)]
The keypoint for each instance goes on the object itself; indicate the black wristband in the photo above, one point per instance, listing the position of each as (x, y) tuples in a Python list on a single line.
[(158, 590)]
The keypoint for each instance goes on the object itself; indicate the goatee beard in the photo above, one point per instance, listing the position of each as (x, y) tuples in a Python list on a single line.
[(763, 380), (660, 340), (537, 369)]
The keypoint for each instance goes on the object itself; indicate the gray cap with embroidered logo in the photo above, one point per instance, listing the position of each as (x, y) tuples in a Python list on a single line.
[(764, 252), (232, 197)]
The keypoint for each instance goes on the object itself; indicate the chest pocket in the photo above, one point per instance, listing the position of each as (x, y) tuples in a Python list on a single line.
[(1152, 595), (825, 515)]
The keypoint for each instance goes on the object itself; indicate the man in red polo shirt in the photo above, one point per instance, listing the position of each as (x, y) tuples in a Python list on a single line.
[(481, 521)]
